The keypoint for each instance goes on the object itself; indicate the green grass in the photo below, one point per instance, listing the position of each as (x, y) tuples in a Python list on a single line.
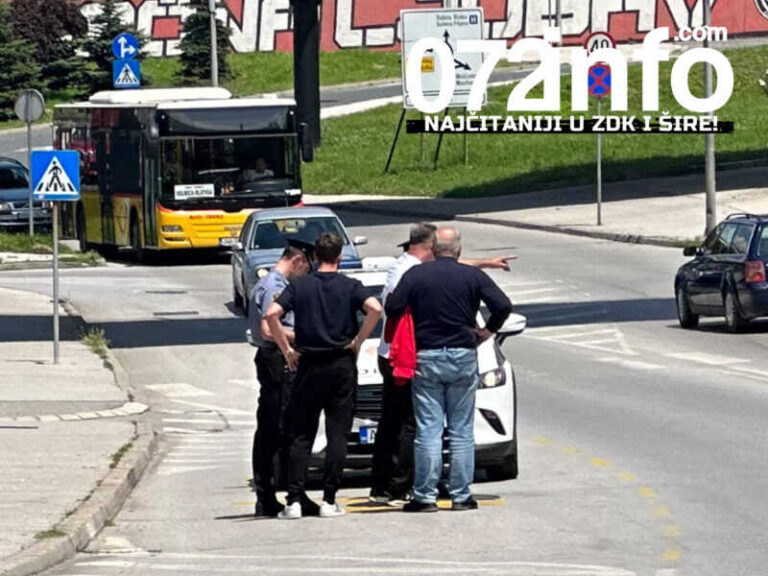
[(354, 148), (117, 456), (43, 244), (257, 72), (96, 341), (46, 534)]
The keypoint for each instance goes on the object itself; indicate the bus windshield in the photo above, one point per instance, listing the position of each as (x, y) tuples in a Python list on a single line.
[(199, 168)]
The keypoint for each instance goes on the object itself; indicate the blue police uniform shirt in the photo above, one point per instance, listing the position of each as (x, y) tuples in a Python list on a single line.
[(263, 294)]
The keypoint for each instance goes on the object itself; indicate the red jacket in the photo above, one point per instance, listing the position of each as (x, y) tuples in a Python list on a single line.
[(402, 351)]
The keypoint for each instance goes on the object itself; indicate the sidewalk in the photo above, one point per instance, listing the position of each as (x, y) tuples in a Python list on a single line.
[(665, 211), (60, 429)]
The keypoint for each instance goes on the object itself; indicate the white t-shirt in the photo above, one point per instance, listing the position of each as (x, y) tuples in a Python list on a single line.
[(402, 265)]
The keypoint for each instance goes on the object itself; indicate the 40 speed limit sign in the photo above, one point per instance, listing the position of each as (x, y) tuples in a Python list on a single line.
[(599, 41)]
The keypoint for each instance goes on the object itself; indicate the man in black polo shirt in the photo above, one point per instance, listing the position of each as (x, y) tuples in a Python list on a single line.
[(327, 338), (444, 297)]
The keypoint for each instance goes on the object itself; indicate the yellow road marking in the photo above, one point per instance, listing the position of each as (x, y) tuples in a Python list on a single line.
[(542, 440), (672, 531), (627, 476), (661, 511), (671, 555), (572, 450), (646, 492), (601, 463)]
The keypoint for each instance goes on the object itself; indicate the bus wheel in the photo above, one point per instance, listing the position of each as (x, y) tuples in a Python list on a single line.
[(138, 253), (82, 235)]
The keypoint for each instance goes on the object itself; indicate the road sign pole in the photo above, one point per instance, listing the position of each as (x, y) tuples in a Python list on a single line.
[(29, 165), (599, 169), (709, 139), (55, 282), (466, 145), (214, 45)]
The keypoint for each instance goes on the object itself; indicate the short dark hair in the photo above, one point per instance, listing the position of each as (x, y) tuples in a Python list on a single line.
[(290, 252), (328, 247), (421, 233)]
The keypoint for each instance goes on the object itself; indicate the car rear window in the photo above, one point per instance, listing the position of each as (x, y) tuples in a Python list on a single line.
[(11, 178), (762, 243)]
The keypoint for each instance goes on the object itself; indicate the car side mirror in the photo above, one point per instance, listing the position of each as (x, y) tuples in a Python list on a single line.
[(691, 251), (237, 246), (514, 325), (360, 240), (305, 143)]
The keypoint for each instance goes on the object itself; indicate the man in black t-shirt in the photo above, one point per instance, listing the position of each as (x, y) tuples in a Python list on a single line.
[(327, 339)]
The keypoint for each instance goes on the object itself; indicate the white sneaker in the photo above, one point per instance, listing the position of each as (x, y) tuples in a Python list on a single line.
[(292, 512), (331, 510)]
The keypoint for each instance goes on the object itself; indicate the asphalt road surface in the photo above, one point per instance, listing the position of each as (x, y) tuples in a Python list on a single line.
[(642, 446)]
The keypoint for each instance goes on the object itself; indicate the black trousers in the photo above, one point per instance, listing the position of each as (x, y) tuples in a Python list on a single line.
[(276, 382), (392, 468), (325, 382)]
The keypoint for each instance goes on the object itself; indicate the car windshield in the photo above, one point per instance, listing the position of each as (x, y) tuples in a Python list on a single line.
[(195, 168), (271, 234), (12, 177)]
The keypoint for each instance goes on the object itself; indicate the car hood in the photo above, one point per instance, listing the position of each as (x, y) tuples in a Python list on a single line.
[(14, 195)]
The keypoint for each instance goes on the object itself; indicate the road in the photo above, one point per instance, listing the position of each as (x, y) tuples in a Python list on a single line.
[(641, 445)]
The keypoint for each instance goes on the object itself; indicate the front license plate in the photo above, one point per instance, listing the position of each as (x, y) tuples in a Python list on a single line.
[(367, 434)]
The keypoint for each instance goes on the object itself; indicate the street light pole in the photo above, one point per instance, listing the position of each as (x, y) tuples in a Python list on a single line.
[(214, 45), (709, 154)]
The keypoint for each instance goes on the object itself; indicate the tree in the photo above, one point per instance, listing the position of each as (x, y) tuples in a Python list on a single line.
[(196, 46), (107, 25), (18, 69)]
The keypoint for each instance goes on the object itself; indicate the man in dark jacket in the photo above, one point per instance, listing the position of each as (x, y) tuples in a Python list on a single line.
[(444, 297)]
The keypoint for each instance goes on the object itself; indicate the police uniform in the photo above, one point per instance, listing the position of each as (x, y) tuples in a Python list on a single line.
[(275, 382), (326, 305)]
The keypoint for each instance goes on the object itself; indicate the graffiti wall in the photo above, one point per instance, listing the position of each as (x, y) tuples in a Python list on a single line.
[(265, 25)]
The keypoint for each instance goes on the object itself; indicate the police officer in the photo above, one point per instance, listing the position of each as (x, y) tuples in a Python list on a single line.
[(324, 353), (274, 377)]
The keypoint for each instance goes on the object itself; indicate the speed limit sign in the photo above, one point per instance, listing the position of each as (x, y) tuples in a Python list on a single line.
[(598, 41)]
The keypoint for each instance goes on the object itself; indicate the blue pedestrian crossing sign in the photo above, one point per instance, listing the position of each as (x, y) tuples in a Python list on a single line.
[(126, 74), (125, 46), (56, 175)]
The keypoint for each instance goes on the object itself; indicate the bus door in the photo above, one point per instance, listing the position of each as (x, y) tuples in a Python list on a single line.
[(103, 153), (151, 187)]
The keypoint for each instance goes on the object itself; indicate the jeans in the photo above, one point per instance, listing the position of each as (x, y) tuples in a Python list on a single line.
[(444, 392)]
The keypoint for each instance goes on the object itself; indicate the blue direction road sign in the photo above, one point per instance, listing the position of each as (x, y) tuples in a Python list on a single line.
[(126, 74), (125, 46), (56, 174), (599, 80)]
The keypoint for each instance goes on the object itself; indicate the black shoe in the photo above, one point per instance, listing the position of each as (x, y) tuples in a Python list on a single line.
[(468, 504), (268, 509), (415, 506), (308, 506)]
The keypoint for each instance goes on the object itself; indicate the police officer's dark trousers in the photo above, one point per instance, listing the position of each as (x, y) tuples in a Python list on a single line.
[(325, 381), (275, 382), (392, 470)]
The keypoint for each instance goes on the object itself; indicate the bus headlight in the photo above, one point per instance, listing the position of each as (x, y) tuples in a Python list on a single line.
[(172, 229), (493, 378)]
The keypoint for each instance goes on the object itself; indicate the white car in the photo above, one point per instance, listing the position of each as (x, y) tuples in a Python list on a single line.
[(496, 406)]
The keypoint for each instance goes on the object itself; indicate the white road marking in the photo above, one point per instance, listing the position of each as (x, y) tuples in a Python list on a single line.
[(578, 334), (172, 470), (517, 293), (709, 359), (632, 364), (524, 302), (179, 390), (217, 421), (216, 408)]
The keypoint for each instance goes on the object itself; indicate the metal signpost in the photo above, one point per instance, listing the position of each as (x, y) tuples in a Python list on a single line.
[(599, 87), (55, 177), (449, 25), (29, 107), (214, 45), (126, 70)]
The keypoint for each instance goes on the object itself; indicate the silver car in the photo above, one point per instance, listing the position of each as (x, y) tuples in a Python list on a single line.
[(264, 237)]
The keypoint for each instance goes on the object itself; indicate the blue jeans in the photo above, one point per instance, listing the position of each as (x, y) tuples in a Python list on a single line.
[(444, 391)]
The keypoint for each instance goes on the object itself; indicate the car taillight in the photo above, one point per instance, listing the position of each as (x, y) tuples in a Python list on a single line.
[(755, 271)]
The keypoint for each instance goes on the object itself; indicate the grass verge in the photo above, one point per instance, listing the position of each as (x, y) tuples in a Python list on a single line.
[(21, 242), (96, 341), (46, 534), (117, 456), (354, 149)]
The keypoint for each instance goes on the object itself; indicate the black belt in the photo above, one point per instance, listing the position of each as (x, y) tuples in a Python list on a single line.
[(330, 354)]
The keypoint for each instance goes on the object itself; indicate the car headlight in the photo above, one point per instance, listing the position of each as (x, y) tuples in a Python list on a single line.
[(5, 208), (261, 272), (493, 378)]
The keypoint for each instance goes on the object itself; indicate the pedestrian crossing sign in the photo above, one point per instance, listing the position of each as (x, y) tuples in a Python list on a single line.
[(126, 74), (56, 175)]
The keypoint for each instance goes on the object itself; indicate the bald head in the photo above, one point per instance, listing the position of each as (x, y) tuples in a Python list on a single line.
[(447, 242)]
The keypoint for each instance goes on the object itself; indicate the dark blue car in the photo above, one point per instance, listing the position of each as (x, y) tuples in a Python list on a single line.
[(14, 198), (727, 275)]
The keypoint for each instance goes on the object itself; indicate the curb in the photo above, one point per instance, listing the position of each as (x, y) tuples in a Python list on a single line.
[(46, 265), (104, 502), (612, 236)]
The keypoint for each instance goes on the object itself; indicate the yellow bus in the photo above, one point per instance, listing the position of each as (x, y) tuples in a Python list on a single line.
[(181, 168)]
